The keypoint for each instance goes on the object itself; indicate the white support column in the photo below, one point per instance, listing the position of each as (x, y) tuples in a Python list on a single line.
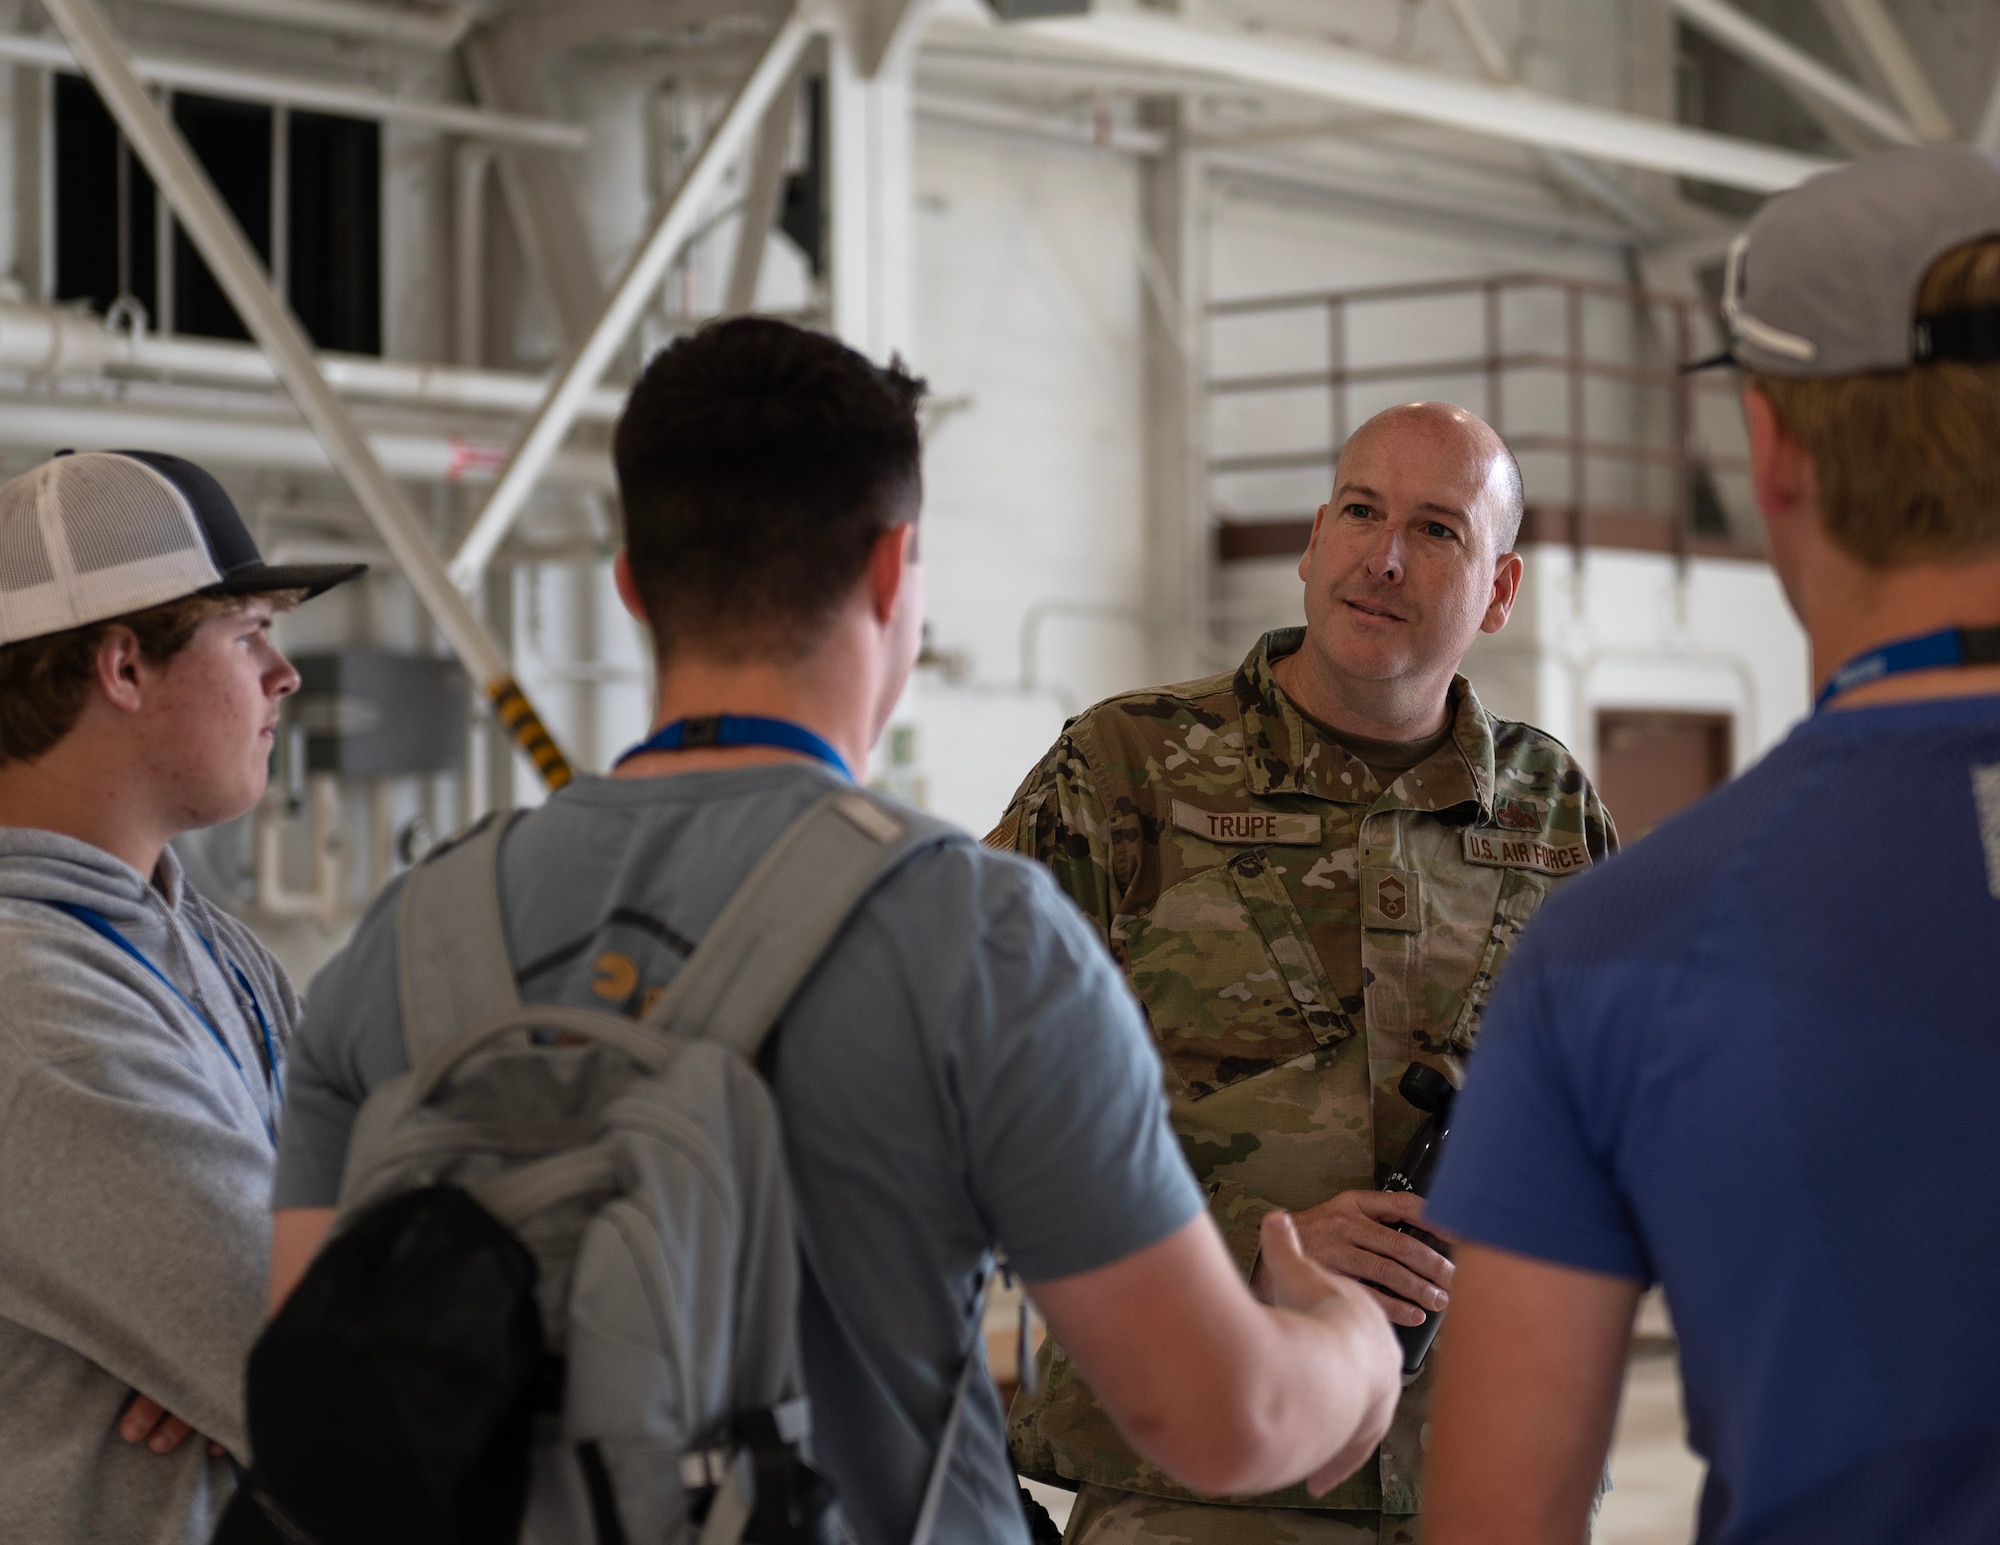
[(872, 172), (1173, 332)]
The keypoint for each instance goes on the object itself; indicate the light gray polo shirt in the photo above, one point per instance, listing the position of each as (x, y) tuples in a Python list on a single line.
[(966, 1070)]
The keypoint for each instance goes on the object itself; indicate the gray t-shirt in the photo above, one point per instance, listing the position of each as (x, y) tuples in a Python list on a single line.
[(965, 1070)]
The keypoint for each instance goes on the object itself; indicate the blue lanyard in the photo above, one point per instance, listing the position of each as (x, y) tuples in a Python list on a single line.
[(101, 925), (735, 729), (1945, 649)]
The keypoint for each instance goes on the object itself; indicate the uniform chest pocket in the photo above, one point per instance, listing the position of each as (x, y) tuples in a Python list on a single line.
[(1522, 891), (1228, 978)]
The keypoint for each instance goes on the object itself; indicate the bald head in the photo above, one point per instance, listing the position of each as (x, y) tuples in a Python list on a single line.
[(1462, 446)]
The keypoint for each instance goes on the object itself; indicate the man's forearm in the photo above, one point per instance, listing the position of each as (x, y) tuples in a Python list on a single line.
[(1527, 1391), (1228, 1395), (1328, 1374)]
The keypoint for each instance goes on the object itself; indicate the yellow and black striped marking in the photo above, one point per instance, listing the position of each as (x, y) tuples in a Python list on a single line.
[(525, 727)]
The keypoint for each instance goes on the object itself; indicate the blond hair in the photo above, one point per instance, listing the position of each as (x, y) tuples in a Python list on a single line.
[(1908, 460)]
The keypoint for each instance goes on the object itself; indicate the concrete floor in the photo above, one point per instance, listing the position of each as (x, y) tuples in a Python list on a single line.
[(1654, 1479)]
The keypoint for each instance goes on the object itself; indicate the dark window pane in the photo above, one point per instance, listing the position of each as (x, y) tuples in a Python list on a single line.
[(335, 231), (233, 141), (86, 204)]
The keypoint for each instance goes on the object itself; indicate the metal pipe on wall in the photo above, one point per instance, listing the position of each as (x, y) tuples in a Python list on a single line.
[(314, 95), (220, 240), (435, 27), (254, 442)]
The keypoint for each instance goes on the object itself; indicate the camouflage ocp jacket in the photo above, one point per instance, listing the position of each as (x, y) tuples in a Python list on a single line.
[(1298, 935)]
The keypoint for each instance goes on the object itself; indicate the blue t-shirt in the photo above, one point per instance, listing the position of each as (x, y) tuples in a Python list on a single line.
[(1757, 1057), (965, 1069)]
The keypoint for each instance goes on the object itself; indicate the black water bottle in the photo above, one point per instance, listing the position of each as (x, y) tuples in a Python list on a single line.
[(1432, 1093)]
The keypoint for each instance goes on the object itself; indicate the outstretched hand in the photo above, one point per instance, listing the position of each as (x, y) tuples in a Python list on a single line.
[(1296, 1282)]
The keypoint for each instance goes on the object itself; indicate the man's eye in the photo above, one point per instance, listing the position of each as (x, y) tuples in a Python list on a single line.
[(1359, 511), (1438, 528)]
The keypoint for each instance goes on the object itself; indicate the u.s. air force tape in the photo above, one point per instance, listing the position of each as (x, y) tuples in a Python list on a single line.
[(1246, 826), (1501, 849)]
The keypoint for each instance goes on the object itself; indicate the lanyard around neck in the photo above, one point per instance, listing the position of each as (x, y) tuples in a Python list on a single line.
[(105, 929), (735, 729), (1946, 649)]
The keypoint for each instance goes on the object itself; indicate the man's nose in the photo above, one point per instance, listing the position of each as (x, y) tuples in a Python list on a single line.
[(1385, 558), (284, 677)]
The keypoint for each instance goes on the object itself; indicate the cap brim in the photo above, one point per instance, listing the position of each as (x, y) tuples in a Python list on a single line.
[(1713, 362), (313, 578)]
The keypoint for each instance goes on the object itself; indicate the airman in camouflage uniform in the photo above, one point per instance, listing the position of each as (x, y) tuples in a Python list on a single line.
[(1298, 934)]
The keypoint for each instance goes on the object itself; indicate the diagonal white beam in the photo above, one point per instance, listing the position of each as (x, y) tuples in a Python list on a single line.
[(1304, 68), (568, 391), (1878, 33), (1794, 68), (222, 244), (1987, 136), (765, 188)]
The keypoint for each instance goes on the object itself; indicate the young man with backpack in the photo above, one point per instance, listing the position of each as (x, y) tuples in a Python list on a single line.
[(142, 1048), (959, 1071)]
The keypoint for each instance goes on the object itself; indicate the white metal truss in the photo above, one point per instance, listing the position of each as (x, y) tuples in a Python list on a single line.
[(1882, 42), (187, 190), (1794, 68), (648, 265), (315, 95), (1304, 68), (1579, 174)]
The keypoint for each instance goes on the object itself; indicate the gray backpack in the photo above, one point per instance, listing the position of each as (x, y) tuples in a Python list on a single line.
[(641, 1165)]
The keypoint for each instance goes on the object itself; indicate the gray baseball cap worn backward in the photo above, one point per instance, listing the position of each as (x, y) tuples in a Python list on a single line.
[(1824, 279)]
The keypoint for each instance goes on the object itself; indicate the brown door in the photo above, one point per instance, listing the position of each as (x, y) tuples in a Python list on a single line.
[(1651, 763)]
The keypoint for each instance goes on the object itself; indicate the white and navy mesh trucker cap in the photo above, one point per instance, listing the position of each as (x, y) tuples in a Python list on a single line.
[(1823, 280), (94, 534)]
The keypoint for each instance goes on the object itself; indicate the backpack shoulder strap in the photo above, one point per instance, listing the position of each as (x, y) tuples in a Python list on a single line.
[(779, 923), (452, 968)]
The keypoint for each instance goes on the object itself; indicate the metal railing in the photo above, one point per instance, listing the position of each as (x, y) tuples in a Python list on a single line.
[(1664, 330)]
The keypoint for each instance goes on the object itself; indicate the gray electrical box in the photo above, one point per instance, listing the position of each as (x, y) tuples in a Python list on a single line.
[(1028, 10), (371, 713)]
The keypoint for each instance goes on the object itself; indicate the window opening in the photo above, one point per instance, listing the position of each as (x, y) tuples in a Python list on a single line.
[(306, 188), (232, 140)]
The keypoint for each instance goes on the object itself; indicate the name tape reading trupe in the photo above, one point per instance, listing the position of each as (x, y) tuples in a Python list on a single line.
[(1246, 825)]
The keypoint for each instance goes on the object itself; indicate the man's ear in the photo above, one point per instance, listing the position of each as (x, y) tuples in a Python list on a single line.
[(119, 659), (889, 563), (628, 587), (1306, 557), (1781, 469), (1507, 570)]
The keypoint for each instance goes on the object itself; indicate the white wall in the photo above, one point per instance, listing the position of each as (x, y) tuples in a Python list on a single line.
[(1632, 632), (1027, 327)]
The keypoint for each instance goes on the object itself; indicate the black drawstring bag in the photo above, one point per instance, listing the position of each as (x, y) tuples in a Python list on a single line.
[(391, 1399)]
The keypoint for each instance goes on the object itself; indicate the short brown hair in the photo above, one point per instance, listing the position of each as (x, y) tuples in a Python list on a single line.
[(44, 682), (757, 464), (1908, 460)]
